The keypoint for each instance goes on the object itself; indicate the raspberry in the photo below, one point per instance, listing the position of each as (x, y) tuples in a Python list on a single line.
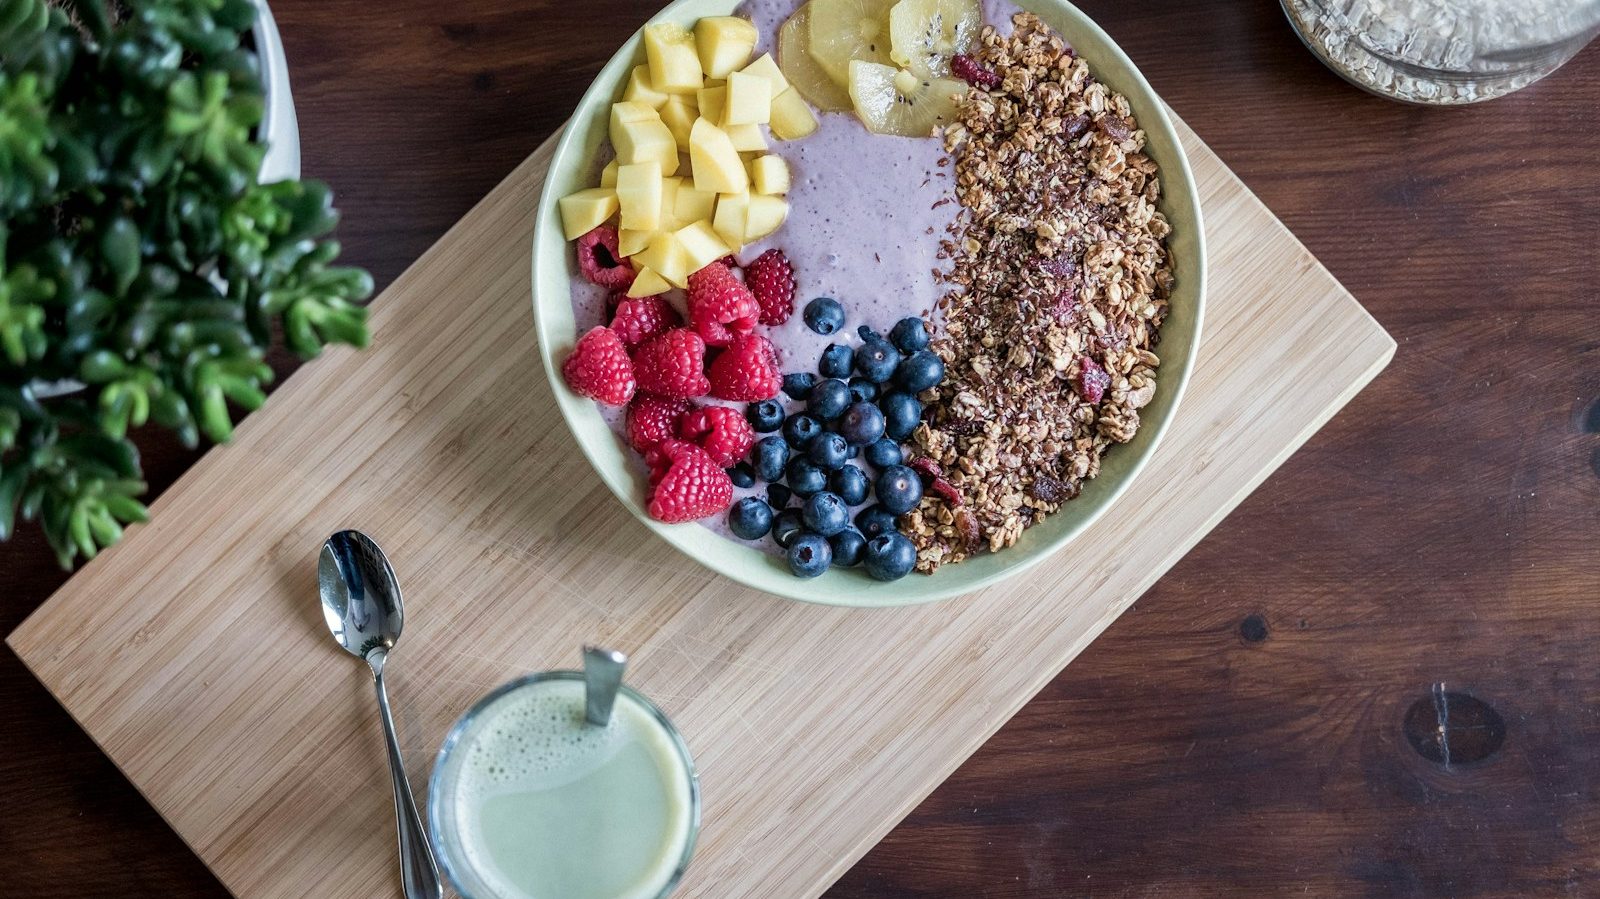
[(1091, 380), (721, 431), (974, 73), (771, 278), (747, 371), (599, 368), (638, 320), (672, 364), (652, 419), (719, 303), (690, 484), (599, 260)]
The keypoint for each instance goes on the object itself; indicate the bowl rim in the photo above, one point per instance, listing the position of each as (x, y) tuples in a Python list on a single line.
[(1178, 188)]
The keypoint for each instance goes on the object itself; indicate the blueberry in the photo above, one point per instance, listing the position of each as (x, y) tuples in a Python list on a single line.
[(898, 488), (799, 384), (909, 334), (867, 334), (901, 413), (862, 390), (742, 475), (828, 451), (765, 416), (750, 518), (778, 496), (848, 547), (810, 555), (890, 557), (873, 521), (824, 315), (805, 478), (923, 370), (770, 455), (836, 361), (862, 424), (851, 484), (825, 513), (800, 430), (854, 452), (877, 359), (786, 527), (885, 453), (828, 399)]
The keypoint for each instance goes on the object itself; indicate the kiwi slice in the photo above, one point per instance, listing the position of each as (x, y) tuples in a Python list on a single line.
[(925, 34), (846, 30), (891, 100), (807, 76)]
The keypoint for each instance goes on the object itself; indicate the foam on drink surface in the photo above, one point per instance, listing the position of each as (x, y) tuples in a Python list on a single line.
[(545, 805)]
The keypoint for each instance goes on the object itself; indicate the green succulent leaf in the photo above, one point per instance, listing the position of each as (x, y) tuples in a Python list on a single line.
[(139, 255), (27, 172)]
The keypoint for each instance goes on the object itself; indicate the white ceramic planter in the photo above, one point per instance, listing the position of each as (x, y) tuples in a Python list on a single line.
[(279, 129)]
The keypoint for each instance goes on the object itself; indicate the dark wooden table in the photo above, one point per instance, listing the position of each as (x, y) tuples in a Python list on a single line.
[(1268, 719)]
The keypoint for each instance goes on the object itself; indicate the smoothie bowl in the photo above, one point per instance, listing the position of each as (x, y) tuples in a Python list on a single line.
[(868, 302)]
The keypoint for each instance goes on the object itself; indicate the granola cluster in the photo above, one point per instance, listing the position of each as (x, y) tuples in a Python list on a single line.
[(1059, 279)]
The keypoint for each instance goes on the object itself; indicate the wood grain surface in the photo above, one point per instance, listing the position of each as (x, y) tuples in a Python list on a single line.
[(1243, 726)]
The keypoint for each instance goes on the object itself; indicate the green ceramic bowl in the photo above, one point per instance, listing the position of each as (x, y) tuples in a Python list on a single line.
[(554, 265)]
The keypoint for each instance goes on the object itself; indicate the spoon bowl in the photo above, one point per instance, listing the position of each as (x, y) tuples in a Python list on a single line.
[(360, 596)]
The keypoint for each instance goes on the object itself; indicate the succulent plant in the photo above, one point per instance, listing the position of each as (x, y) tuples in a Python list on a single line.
[(139, 254)]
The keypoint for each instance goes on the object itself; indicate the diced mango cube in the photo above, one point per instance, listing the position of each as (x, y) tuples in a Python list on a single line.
[(674, 62), (632, 111), (791, 117), (586, 210), (749, 100), (711, 101), (665, 254), (746, 138), (630, 243), (764, 216), (638, 135), (701, 244), (767, 68), (724, 43), (769, 175), (729, 221), (639, 196), (669, 204), (646, 283), (715, 163), (693, 204), (640, 90), (679, 113), (608, 175)]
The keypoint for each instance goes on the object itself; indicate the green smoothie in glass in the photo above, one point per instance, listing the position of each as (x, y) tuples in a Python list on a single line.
[(529, 801)]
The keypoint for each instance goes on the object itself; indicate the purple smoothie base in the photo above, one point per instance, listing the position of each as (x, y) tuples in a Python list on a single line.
[(867, 214)]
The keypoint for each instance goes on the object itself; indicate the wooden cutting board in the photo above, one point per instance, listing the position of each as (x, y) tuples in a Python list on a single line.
[(195, 655)]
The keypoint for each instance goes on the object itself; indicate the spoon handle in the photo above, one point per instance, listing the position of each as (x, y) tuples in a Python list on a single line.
[(419, 875)]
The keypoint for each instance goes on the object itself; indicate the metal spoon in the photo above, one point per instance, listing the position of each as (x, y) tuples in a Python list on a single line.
[(361, 603), (602, 677)]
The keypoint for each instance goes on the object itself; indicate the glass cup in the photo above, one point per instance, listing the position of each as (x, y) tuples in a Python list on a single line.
[(527, 801), (1444, 52)]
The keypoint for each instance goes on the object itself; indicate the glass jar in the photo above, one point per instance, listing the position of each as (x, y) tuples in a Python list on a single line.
[(1444, 52)]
